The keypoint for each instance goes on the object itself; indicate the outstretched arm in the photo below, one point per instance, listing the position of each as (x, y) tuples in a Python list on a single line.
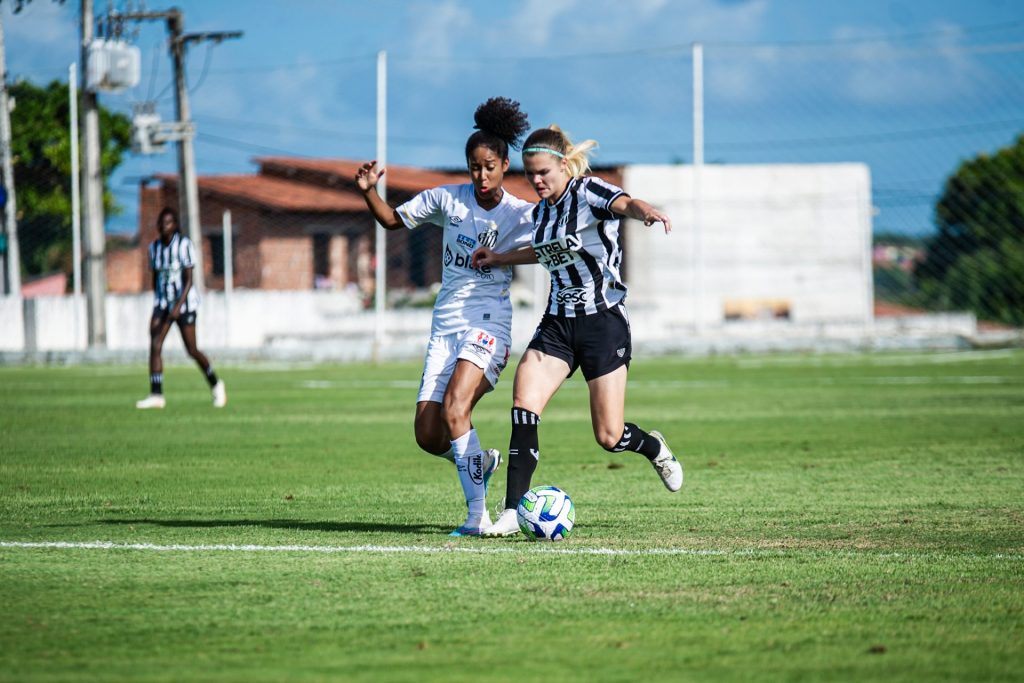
[(366, 178), (485, 256), (629, 207)]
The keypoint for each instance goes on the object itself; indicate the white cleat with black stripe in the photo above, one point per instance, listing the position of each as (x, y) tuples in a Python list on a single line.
[(220, 394), (153, 401), (507, 525), (665, 464)]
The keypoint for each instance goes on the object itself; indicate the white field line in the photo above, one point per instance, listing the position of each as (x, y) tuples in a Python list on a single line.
[(488, 550)]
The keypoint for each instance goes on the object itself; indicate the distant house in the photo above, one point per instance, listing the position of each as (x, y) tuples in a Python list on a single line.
[(300, 224)]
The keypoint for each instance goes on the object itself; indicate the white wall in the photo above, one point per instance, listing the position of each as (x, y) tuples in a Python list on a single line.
[(12, 324), (801, 233)]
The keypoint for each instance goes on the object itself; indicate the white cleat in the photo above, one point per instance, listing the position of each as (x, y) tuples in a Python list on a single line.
[(220, 394), (665, 464), (473, 527), (492, 461), (507, 525), (151, 401)]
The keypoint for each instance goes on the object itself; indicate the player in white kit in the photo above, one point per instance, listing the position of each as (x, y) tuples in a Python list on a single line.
[(472, 322)]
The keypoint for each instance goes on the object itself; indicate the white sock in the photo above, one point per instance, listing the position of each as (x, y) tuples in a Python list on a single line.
[(469, 460)]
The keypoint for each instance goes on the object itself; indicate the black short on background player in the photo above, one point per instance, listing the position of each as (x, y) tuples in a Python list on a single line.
[(175, 301), (585, 326)]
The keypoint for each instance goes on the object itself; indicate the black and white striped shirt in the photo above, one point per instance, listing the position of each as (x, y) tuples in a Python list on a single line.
[(577, 240), (169, 262)]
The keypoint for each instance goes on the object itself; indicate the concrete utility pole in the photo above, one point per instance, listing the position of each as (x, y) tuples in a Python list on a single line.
[(10, 257), (188, 189), (92, 197)]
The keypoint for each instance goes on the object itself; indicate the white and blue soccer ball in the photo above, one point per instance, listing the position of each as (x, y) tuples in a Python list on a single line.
[(546, 513)]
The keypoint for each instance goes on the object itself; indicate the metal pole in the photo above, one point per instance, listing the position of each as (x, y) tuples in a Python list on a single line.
[(229, 275), (381, 239), (92, 198), (76, 201), (188, 190), (13, 258), (698, 200)]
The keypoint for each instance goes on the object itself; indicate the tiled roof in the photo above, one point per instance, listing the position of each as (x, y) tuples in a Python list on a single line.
[(277, 193), (328, 185)]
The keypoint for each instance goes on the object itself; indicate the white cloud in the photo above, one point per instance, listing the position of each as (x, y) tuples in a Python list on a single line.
[(879, 72)]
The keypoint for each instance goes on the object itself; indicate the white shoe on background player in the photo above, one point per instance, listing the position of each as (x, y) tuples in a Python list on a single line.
[(507, 525), (473, 527), (665, 464), (151, 401), (220, 394)]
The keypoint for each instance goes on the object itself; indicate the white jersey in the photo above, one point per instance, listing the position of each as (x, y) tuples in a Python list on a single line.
[(470, 297), (577, 240), (169, 262)]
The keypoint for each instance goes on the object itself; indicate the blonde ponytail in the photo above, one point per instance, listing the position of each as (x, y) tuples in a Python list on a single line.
[(554, 141)]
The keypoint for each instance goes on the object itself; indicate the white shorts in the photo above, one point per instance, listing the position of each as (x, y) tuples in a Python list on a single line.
[(478, 346)]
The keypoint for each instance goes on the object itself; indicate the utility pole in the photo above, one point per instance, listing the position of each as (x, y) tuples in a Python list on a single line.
[(188, 189), (10, 257), (92, 196)]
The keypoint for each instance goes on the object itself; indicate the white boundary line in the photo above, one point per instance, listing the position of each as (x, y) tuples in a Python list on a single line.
[(489, 550)]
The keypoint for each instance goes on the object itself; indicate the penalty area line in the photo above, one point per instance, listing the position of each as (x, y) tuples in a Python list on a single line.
[(540, 548)]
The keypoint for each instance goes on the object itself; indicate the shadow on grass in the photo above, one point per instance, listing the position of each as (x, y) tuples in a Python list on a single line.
[(289, 524)]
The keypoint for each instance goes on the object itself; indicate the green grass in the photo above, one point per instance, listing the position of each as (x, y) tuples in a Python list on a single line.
[(849, 517)]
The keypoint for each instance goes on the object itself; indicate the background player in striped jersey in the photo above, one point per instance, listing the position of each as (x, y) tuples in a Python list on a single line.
[(472, 322), (576, 237), (171, 258)]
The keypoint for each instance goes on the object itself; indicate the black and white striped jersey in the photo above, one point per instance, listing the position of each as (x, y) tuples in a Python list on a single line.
[(169, 262), (577, 240)]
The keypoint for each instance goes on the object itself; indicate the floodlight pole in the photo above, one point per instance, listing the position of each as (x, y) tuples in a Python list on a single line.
[(11, 257), (92, 196), (188, 189), (380, 245), (76, 201), (698, 200)]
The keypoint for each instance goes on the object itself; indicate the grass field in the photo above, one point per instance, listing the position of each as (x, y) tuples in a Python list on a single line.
[(844, 518)]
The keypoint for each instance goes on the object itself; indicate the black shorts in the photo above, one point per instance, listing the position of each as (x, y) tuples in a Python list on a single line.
[(184, 318), (599, 343)]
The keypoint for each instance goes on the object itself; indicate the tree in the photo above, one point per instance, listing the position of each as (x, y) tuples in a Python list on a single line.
[(976, 259), (42, 170)]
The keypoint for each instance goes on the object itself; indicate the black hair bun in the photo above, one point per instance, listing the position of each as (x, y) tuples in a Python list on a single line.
[(501, 117)]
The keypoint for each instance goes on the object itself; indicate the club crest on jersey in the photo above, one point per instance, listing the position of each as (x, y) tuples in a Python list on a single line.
[(558, 253), (489, 237), (466, 240)]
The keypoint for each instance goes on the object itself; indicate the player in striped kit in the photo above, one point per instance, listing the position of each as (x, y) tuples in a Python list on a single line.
[(472, 322), (171, 258), (576, 237)]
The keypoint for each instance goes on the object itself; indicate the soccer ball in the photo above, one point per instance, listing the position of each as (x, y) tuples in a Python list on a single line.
[(546, 513)]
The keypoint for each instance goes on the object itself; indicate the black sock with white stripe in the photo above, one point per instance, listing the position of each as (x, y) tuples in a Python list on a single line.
[(523, 454), (637, 440), (211, 376), (156, 383)]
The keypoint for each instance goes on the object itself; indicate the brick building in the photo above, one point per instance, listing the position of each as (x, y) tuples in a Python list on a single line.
[(299, 224)]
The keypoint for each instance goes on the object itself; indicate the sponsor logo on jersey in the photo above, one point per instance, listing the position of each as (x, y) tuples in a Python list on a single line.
[(465, 261), (485, 340), (466, 241), (572, 296), (558, 253)]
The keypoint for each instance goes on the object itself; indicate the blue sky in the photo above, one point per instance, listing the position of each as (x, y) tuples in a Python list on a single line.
[(911, 88)]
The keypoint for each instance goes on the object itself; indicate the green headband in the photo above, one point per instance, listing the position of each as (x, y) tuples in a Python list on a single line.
[(533, 150)]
